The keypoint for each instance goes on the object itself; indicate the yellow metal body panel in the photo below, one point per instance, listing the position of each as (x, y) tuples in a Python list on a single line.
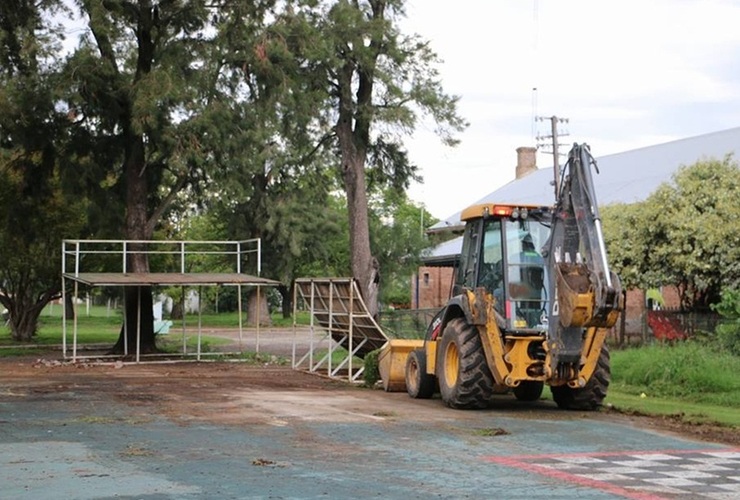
[(493, 346), (523, 367), (431, 352), (392, 362)]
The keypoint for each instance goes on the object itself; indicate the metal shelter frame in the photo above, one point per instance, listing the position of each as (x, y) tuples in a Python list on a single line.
[(178, 258), (337, 310)]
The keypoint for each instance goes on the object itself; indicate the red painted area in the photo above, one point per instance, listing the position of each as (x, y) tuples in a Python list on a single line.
[(665, 326), (615, 454), (571, 478), (526, 462)]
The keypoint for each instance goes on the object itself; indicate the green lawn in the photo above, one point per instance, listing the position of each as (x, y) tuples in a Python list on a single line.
[(692, 380), (689, 412)]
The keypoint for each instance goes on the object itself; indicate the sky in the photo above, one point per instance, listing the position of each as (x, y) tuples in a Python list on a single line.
[(625, 74)]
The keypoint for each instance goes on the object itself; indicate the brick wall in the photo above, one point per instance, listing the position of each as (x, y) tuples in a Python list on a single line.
[(430, 288)]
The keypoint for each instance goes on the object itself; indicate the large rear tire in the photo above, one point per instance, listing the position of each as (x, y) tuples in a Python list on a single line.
[(529, 390), (465, 381), (591, 396), (419, 384)]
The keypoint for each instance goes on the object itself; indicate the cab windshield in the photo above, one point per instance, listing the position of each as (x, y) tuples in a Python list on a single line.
[(525, 300)]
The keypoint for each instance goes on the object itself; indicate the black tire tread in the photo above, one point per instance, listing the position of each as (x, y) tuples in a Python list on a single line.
[(591, 396), (474, 387), (425, 385)]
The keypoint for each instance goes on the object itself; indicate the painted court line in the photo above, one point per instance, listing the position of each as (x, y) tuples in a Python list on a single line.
[(641, 475)]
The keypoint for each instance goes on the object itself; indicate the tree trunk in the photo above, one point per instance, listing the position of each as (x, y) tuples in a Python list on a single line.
[(138, 300), (177, 310), (286, 293), (138, 306), (353, 132), (364, 265), (69, 307), (23, 324), (257, 309), (23, 314)]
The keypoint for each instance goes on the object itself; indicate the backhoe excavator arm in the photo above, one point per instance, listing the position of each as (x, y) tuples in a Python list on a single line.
[(586, 293)]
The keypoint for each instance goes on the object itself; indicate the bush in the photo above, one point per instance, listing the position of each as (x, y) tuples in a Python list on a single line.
[(371, 374), (728, 332), (728, 337)]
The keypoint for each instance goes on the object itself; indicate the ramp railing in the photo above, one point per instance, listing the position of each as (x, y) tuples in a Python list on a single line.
[(342, 331)]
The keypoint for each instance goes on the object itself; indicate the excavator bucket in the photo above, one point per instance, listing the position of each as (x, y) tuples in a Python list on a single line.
[(392, 362)]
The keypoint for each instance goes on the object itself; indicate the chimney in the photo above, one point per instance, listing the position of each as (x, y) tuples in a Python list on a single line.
[(526, 161)]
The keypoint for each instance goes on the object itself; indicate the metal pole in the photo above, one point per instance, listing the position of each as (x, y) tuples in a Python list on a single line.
[(259, 306), (138, 324), (64, 302), (74, 311), (200, 319), (555, 155), (295, 311), (350, 374), (241, 321), (182, 312)]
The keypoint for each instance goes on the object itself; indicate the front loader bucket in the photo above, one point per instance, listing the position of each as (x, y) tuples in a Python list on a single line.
[(392, 362)]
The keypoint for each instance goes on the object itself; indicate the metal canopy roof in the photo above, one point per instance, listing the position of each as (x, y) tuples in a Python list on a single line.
[(184, 279)]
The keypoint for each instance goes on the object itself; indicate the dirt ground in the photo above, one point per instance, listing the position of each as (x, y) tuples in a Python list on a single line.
[(231, 393)]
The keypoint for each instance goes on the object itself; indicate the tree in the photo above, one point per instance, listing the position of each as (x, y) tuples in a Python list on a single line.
[(38, 205), (399, 229), (685, 234), (371, 82), (144, 95)]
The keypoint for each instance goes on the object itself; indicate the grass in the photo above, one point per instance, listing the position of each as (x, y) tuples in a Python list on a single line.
[(688, 412), (100, 325), (690, 371), (691, 380)]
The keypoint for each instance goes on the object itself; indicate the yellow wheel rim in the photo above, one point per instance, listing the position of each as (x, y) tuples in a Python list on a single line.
[(452, 364), (413, 373)]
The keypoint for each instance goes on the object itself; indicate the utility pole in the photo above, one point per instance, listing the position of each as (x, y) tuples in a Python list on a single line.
[(554, 135)]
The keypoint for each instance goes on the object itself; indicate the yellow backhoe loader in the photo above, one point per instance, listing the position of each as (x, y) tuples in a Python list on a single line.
[(532, 303)]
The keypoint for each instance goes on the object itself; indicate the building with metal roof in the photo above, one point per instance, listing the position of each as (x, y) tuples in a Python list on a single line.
[(626, 177)]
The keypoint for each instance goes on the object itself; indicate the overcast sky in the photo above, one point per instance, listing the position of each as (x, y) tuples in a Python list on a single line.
[(625, 73)]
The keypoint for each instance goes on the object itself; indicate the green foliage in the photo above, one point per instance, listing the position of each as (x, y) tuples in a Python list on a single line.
[(38, 208), (397, 227), (371, 374), (728, 332), (684, 234), (691, 371)]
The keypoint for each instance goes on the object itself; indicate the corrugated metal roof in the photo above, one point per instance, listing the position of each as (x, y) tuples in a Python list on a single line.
[(626, 177)]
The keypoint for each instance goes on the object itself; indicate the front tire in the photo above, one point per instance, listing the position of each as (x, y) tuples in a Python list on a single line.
[(465, 381), (419, 384), (591, 396)]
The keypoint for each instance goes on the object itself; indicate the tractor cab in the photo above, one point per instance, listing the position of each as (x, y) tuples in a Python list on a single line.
[(503, 252)]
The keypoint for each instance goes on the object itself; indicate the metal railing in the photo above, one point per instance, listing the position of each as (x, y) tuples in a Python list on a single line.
[(173, 256)]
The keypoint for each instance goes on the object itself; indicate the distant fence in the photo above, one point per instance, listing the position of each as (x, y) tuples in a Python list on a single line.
[(406, 323), (661, 325), (670, 325)]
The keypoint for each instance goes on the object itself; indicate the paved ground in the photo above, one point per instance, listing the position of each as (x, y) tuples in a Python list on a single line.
[(225, 430)]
